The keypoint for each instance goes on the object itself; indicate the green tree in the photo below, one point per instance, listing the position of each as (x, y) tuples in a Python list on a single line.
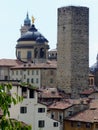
[(6, 99)]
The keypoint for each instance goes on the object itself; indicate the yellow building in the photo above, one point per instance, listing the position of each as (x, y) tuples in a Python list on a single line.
[(85, 120)]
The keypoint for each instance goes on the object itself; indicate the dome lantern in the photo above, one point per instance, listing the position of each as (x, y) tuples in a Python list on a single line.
[(27, 21)]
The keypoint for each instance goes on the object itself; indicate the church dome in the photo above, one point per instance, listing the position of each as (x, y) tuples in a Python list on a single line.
[(27, 21), (32, 35)]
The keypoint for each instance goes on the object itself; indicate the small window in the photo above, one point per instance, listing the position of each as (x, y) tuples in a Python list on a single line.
[(70, 113), (24, 76), (41, 123), (16, 72), (51, 80), (32, 72), (20, 72), (55, 124), (36, 72), (78, 124), (88, 125), (41, 110), (28, 72), (24, 92), (29, 55), (12, 72), (28, 80), (52, 115), (60, 117), (37, 80), (32, 80), (19, 55), (31, 93), (23, 109), (51, 72)]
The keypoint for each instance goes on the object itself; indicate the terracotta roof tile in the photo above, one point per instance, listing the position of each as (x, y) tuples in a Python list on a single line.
[(48, 64), (90, 115), (9, 62), (94, 104), (88, 91), (60, 105)]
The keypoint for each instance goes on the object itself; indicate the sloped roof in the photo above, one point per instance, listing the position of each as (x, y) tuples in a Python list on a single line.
[(61, 105), (90, 115), (9, 62)]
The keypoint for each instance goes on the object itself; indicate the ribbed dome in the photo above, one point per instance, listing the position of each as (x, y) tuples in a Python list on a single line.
[(32, 35)]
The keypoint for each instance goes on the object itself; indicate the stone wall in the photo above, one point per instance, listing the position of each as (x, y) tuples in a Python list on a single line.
[(73, 51)]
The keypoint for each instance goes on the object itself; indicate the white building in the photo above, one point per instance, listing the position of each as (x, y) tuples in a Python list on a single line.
[(30, 111)]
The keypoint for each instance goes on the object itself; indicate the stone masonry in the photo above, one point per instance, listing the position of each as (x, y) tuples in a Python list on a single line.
[(73, 49)]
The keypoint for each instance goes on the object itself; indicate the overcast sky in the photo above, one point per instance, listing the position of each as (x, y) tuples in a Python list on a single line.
[(13, 13)]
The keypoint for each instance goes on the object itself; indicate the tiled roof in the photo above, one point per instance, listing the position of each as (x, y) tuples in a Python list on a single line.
[(9, 62), (48, 64), (89, 91), (50, 93), (94, 104), (90, 115), (61, 105)]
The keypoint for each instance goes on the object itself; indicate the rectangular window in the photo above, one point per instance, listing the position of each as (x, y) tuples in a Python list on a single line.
[(60, 117), (41, 123), (41, 110), (78, 124), (55, 124), (32, 80), (20, 72), (16, 72), (31, 93), (88, 125), (51, 72), (19, 55), (70, 113), (28, 80), (23, 109), (37, 80), (29, 55), (24, 92), (28, 72), (36, 72), (52, 115), (12, 72), (32, 72), (24, 76), (51, 80)]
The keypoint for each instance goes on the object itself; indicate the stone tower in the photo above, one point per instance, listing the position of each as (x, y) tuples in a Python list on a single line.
[(73, 49)]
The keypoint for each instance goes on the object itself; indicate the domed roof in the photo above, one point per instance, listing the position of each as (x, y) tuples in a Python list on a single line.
[(27, 21), (32, 35)]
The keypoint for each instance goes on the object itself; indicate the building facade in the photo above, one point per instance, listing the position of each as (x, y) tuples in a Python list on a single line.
[(29, 110), (73, 49)]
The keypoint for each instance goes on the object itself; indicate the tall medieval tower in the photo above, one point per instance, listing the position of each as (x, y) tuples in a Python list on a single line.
[(73, 49)]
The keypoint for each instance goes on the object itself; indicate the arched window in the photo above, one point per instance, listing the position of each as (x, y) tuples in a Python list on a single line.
[(36, 53), (42, 53)]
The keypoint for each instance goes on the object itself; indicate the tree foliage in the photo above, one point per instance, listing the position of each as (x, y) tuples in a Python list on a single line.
[(6, 99)]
